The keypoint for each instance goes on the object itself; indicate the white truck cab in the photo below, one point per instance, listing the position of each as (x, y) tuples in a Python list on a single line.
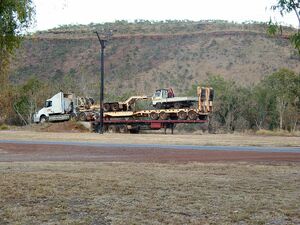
[(59, 107), (165, 98)]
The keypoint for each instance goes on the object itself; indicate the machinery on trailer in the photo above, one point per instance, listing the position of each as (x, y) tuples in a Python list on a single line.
[(161, 99), (165, 99), (133, 121), (122, 106)]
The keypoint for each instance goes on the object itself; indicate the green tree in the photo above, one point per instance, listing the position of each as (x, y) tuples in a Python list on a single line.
[(284, 88), (230, 104), (15, 17), (262, 109), (285, 7)]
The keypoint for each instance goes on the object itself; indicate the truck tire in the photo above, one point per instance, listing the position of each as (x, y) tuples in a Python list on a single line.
[(82, 116), (73, 117), (135, 130), (43, 119), (177, 105), (154, 116), (163, 115), (192, 115), (123, 129), (182, 115), (158, 105), (106, 107), (112, 129), (115, 107)]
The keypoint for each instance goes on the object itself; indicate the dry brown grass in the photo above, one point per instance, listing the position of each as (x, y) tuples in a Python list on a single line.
[(177, 139), (131, 193)]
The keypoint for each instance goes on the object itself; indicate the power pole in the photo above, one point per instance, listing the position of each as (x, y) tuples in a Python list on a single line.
[(102, 44)]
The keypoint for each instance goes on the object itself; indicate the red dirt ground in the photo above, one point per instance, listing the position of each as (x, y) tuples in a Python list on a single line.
[(43, 152)]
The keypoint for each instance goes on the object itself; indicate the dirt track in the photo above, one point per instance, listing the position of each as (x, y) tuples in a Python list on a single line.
[(42, 152)]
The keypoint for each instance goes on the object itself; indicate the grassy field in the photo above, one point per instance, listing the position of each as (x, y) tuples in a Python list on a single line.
[(136, 193), (176, 139)]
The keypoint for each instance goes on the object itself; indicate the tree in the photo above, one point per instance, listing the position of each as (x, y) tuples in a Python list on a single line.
[(263, 107), (284, 88), (15, 17), (28, 97), (230, 104), (285, 7)]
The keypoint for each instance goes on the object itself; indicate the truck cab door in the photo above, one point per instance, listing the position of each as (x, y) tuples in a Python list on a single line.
[(48, 106)]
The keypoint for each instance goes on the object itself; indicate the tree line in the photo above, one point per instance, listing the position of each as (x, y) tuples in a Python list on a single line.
[(272, 104)]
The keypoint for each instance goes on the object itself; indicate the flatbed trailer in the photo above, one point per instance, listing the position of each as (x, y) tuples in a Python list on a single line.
[(135, 125), (133, 121)]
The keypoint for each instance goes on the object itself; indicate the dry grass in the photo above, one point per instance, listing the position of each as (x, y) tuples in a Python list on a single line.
[(128, 193), (176, 139), (278, 133)]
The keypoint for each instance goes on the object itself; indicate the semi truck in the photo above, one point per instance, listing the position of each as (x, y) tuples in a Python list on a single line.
[(123, 117), (62, 107)]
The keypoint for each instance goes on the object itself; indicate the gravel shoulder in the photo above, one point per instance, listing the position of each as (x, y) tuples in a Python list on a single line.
[(184, 139)]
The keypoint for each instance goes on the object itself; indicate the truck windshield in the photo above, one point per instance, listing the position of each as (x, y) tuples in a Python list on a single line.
[(157, 94), (48, 104)]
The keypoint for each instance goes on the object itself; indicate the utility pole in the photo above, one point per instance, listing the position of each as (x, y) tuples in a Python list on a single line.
[(102, 44)]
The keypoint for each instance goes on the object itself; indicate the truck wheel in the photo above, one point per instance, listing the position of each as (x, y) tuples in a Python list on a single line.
[(82, 116), (182, 115), (106, 107), (203, 117), (112, 129), (115, 107), (192, 115), (123, 129), (135, 130), (154, 115), (43, 119), (158, 105), (73, 117), (177, 105), (163, 115)]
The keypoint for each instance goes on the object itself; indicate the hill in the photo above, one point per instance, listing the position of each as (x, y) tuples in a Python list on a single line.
[(146, 55)]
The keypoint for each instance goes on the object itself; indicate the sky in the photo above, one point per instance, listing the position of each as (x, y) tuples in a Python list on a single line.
[(53, 13)]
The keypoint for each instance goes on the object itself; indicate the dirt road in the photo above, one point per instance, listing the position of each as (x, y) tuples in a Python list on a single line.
[(19, 152)]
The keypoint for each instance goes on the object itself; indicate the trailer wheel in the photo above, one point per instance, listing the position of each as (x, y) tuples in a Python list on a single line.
[(115, 107), (163, 115), (182, 115), (154, 115), (43, 119), (112, 129), (203, 117), (135, 130), (106, 107), (192, 115), (73, 117), (82, 116), (123, 129)]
